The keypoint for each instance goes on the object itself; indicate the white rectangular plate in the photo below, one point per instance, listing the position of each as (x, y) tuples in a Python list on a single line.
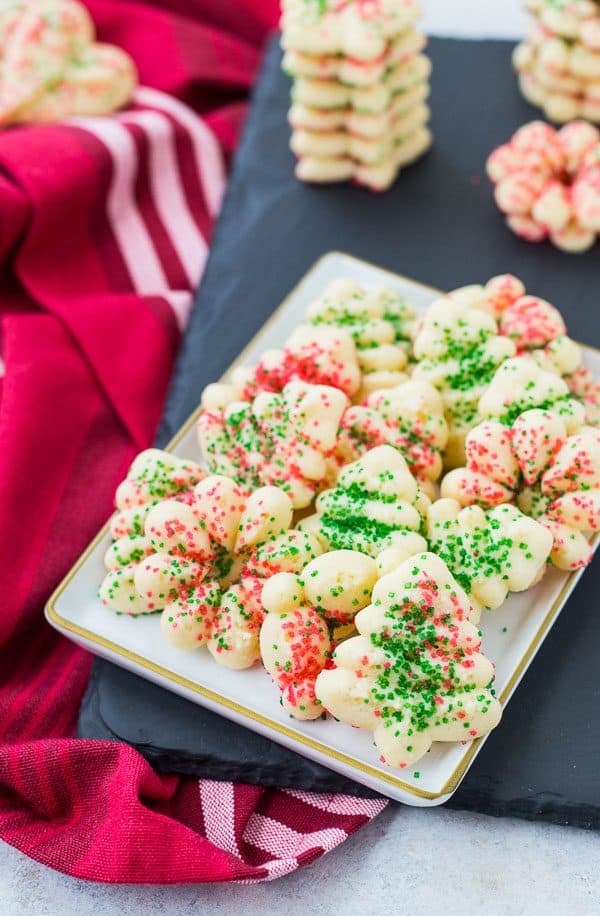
[(512, 634)]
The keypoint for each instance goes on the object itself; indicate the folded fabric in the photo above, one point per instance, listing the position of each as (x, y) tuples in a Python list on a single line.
[(103, 237)]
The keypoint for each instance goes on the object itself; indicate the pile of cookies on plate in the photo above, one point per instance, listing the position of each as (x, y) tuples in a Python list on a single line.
[(360, 85), (366, 493), (559, 62)]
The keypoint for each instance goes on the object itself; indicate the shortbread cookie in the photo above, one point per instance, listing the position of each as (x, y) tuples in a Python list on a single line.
[(359, 123), (319, 356), (340, 144), (376, 99), (381, 324), (203, 564), (409, 417), (153, 476), (534, 449), (349, 70), (375, 505), (415, 674), (489, 553), (547, 183), (296, 638), (353, 29), (283, 439), (575, 20), (458, 350), (375, 176), (52, 68)]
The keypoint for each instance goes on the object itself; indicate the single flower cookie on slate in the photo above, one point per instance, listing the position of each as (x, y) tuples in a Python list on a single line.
[(415, 674), (489, 553), (380, 323), (409, 417), (280, 439), (535, 449), (153, 476), (458, 349), (297, 635), (318, 356), (375, 505)]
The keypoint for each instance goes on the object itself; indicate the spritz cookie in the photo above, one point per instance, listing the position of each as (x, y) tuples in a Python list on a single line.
[(301, 612), (416, 673)]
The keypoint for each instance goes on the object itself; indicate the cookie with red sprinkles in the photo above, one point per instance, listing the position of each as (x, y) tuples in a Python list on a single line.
[(302, 612)]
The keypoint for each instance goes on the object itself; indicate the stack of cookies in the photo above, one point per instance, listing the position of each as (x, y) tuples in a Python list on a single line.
[(559, 62), (360, 88)]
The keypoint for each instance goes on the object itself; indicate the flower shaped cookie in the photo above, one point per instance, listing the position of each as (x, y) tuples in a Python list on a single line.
[(534, 448), (380, 323), (204, 562), (547, 182), (415, 674), (281, 439), (153, 476), (297, 635), (458, 349), (375, 505), (52, 68)]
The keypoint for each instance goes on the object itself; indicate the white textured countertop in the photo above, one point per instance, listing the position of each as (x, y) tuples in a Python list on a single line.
[(429, 861)]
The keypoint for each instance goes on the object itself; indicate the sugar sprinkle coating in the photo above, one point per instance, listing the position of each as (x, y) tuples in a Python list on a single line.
[(415, 674), (535, 449), (375, 505), (297, 635), (282, 439)]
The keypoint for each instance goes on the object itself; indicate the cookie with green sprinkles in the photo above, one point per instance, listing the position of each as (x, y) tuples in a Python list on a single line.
[(410, 417), (375, 505), (534, 449), (297, 636), (380, 323), (489, 553), (280, 439), (458, 349), (415, 674), (153, 476)]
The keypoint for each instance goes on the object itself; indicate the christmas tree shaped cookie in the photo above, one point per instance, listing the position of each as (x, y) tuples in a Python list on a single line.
[(280, 439), (415, 674), (376, 505), (489, 553), (380, 323), (302, 611), (534, 449), (458, 350)]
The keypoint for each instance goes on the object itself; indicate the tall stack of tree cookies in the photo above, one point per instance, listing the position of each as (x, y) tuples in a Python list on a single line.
[(360, 85), (559, 62)]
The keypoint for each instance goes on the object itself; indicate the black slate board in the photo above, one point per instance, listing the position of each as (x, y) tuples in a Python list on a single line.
[(439, 225)]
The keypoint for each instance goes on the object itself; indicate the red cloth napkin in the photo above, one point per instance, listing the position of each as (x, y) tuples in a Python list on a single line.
[(104, 227)]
